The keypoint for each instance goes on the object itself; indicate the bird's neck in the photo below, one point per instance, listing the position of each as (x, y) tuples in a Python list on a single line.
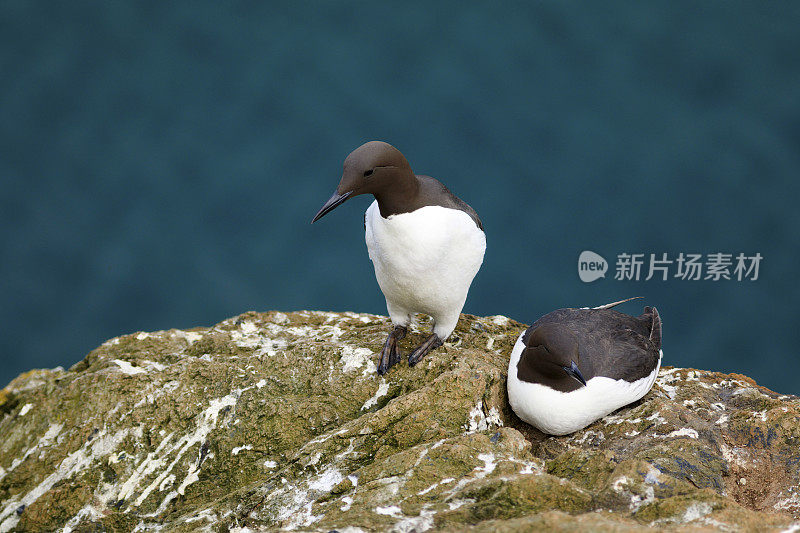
[(399, 194)]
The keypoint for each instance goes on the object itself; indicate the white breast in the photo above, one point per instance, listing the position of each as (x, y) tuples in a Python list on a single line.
[(425, 262), (559, 413)]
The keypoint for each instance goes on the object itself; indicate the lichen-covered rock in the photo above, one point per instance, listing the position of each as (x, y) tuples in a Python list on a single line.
[(279, 421)]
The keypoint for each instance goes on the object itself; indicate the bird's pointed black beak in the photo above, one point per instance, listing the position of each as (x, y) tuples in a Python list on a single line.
[(573, 372), (331, 204)]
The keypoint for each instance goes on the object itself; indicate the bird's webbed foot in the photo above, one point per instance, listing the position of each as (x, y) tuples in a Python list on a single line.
[(390, 354), (422, 350)]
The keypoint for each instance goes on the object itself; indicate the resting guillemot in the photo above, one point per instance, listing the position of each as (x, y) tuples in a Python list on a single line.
[(574, 366), (425, 243)]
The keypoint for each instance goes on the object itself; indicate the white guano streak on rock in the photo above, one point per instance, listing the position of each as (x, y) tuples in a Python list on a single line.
[(156, 460), (488, 467), (415, 524), (206, 514), (348, 502), (442, 482), (696, 511), (480, 472), (102, 445), (622, 486), (499, 320), (145, 468), (390, 510), (248, 336), (280, 318), (479, 421), (325, 436), (383, 389), (791, 504), (683, 432), (168, 482), (671, 390), (355, 358), (327, 480), (127, 368), (456, 504), (239, 449), (190, 478), (621, 419), (734, 455), (296, 512), (88, 512), (207, 423), (190, 336), (153, 364), (46, 440)]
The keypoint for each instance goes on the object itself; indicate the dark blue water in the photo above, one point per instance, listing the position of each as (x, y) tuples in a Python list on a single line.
[(160, 162)]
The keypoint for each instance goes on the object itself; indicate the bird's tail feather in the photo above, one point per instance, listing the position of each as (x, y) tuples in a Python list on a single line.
[(613, 304)]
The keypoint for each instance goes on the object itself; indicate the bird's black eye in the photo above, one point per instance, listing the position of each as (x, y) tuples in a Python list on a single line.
[(368, 173)]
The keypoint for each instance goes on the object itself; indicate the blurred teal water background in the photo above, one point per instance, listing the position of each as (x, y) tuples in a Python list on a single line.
[(160, 161)]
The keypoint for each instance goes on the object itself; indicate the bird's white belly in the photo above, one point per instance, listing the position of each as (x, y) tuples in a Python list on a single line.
[(560, 413), (425, 260)]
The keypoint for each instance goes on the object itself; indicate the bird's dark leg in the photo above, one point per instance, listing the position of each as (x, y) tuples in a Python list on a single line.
[(389, 353), (422, 350)]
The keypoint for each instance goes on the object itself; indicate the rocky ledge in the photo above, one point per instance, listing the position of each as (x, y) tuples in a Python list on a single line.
[(279, 421)]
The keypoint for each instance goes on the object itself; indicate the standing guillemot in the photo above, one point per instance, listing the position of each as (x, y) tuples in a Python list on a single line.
[(573, 366), (425, 243)]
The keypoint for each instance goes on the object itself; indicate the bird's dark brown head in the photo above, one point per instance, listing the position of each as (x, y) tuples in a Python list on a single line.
[(376, 168), (551, 357)]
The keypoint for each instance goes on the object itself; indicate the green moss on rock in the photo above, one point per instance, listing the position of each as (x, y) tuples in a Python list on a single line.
[(279, 421)]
